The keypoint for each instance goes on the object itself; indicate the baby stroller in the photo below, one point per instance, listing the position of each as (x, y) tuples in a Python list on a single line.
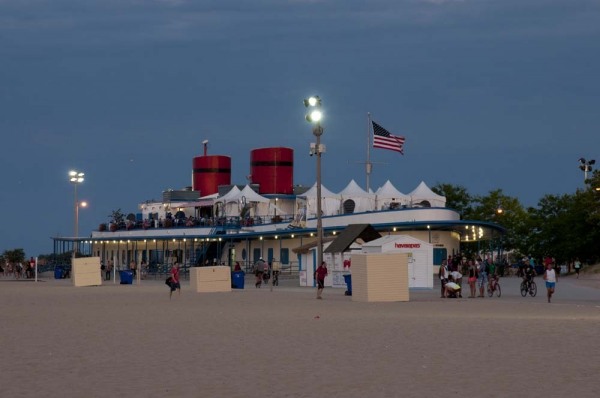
[(266, 276)]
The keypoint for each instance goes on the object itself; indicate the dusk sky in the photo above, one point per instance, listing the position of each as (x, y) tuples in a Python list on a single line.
[(490, 94)]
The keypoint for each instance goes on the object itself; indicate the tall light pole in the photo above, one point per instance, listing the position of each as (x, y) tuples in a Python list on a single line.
[(585, 166), (314, 116), (76, 178)]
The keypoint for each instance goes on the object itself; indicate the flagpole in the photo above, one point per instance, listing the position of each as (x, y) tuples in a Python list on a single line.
[(368, 164)]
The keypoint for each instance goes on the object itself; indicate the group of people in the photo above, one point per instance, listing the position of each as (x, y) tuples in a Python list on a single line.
[(483, 273), (264, 271), (18, 271)]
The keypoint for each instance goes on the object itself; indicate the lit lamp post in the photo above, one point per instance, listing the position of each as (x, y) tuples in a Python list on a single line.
[(314, 116), (586, 166), (76, 178)]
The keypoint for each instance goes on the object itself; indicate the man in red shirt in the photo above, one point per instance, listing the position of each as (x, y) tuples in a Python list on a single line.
[(174, 280), (320, 275)]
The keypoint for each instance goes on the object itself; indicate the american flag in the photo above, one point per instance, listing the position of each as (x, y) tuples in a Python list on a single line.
[(383, 139)]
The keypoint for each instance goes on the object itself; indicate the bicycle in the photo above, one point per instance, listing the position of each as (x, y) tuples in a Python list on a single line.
[(528, 287), (494, 287)]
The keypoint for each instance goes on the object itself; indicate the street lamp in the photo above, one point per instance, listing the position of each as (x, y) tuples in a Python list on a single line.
[(76, 178), (314, 116), (585, 166)]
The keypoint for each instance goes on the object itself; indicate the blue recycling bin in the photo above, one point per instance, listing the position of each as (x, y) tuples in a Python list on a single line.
[(58, 272), (126, 277), (237, 279), (348, 280)]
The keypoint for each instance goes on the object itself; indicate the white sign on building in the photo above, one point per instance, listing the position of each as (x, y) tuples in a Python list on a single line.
[(420, 257)]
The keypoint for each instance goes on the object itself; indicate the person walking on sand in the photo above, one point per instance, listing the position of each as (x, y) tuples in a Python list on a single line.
[(482, 278), (174, 275), (473, 275), (259, 269), (443, 275), (320, 275), (108, 270), (133, 268), (577, 266), (550, 278)]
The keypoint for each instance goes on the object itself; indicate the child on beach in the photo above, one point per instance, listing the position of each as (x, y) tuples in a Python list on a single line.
[(550, 278)]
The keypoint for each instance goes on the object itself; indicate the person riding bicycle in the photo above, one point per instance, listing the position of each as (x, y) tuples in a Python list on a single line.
[(528, 274)]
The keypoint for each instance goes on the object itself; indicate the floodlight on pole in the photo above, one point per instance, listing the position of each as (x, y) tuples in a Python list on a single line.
[(315, 116), (586, 166), (76, 178)]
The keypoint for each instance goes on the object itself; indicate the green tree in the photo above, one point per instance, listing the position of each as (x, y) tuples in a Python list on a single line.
[(14, 256), (506, 211), (457, 197)]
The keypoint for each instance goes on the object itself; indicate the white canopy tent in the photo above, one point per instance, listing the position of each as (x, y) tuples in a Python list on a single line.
[(230, 202), (354, 199), (258, 205), (389, 197), (330, 202), (423, 195)]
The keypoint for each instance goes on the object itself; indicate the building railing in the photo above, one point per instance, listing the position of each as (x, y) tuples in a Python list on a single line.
[(226, 222)]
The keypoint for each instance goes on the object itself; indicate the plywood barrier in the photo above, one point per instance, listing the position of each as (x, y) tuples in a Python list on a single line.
[(210, 279), (86, 272), (380, 277)]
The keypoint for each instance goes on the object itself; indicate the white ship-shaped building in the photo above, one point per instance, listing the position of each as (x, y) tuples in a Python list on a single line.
[(217, 221)]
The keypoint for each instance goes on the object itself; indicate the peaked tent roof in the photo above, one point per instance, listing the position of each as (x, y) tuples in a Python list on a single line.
[(251, 195), (388, 190), (325, 193), (353, 190), (352, 232), (231, 196), (424, 192)]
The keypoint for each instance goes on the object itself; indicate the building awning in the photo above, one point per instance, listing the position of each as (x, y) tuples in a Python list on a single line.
[(351, 233), (306, 247)]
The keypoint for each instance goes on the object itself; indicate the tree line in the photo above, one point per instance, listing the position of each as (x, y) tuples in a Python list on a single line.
[(561, 226)]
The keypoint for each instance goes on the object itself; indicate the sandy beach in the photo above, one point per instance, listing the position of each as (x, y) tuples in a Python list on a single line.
[(131, 340)]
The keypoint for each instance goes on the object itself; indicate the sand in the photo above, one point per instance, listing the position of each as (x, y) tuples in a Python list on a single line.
[(131, 340)]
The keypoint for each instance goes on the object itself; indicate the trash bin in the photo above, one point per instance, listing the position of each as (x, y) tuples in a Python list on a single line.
[(348, 280), (237, 279), (58, 272), (126, 277)]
